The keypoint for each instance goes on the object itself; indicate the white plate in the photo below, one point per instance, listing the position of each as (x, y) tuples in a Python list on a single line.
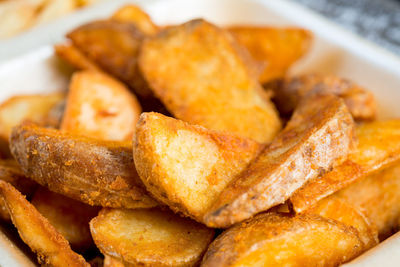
[(335, 51)]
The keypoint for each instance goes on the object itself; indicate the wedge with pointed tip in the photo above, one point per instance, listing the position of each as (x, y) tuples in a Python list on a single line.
[(72, 55)]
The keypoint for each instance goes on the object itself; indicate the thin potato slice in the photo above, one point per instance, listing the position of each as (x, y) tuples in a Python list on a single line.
[(198, 72), (317, 138), (95, 172), (187, 166), (378, 147), (69, 217), (135, 15), (113, 46), (73, 56), (273, 239), (50, 246), (289, 91), (101, 107), (150, 237), (276, 48)]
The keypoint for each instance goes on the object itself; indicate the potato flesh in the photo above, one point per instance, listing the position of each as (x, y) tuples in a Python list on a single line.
[(150, 237), (197, 71), (318, 137)]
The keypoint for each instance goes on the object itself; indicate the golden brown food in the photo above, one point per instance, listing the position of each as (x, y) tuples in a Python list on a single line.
[(273, 239), (50, 246), (150, 237), (69, 217), (317, 138), (71, 54), (187, 166), (135, 15), (101, 107), (113, 46), (276, 48), (95, 172), (112, 262), (378, 147), (288, 92), (197, 71)]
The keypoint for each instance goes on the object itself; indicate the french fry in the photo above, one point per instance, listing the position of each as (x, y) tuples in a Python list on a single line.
[(187, 166), (72, 55), (276, 48), (289, 91), (273, 239), (95, 172), (101, 107), (150, 237), (378, 147), (69, 217), (317, 138), (54, 9), (198, 72), (50, 246)]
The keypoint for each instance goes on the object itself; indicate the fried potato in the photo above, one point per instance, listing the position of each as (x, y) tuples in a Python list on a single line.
[(289, 91), (378, 147), (54, 9), (72, 55), (113, 46), (187, 166), (197, 71), (150, 237), (95, 172), (135, 15), (112, 262), (50, 246), (276, 48), (273, 239), (317, 138), (378, 196), (69, 217), (101, 107)]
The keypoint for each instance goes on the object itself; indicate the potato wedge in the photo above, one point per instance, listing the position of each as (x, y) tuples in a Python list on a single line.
[(276, 48), (378, 147), (72, 55), (69, 217), (95, 172), (187, 166), (54, 9), (135, 15), (112, 262), (288, 92), (273, 239), (113, 46), (101, 107), (197, 71), (150, 237), (317, 138), (50, 246)]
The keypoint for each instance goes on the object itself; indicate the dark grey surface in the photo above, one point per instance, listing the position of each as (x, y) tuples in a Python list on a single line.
[(376, 20)]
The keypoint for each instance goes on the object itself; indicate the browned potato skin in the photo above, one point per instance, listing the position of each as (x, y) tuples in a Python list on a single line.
[(203, 77), (131, 236), (378, 147), (276, 48), (69, 217), (288, 92), (113, 46), (169, 152), (135, 15), (274, 239), (112, 262), (72, 55), (95, 172), (50, 246), (299, 153)]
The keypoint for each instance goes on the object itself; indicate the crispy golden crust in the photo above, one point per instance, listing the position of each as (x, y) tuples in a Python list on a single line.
[(100, 107), (135, 15), (288, 92), (113, 262), (72, 55), (276, 48), (202, 77), (50, 246), (273, 239), (113, 46), (378, 147), (69, 217), (317, 138), (187, 166), (89, 170), (150, 237)]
